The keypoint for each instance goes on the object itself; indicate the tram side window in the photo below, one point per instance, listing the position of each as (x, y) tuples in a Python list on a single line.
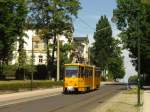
[(84, 72), (81, 71), (87, 72), (90, 72)]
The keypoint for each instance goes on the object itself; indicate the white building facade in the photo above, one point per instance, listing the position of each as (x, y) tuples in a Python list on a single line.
[(81, 50), (39, 48)]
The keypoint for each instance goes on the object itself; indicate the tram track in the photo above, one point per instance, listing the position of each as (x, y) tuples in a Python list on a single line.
[(67, 103)]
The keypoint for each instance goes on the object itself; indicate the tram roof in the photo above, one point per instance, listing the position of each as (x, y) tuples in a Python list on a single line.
[(79, 64)]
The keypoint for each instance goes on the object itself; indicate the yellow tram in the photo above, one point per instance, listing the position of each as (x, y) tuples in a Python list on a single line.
[(81, 78)]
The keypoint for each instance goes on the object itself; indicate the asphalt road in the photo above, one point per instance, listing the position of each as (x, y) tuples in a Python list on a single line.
[(67, 103)]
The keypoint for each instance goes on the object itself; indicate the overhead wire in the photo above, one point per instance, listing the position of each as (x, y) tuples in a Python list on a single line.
[(89, 26)]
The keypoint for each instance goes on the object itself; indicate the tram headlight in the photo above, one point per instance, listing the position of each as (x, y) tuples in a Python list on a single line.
[(70, 88)]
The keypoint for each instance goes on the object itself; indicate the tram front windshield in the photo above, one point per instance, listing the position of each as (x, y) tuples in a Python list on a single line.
[(71, 71)]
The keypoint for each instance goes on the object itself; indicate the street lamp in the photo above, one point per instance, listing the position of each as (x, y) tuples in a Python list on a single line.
[(139, 56)]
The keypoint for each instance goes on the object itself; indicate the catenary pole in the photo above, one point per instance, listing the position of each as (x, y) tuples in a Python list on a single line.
[(58, 58)]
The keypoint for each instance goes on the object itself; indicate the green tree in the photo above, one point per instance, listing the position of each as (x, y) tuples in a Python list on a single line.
[(116, 65), (12, 15), (132, 18), (53, 18), (12, 18), (101, 49), (65, 50), (106, 52), (22, 58), (116, 68)]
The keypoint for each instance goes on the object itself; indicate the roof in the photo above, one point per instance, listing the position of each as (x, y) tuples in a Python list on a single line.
[(83, 65), (77, 39)]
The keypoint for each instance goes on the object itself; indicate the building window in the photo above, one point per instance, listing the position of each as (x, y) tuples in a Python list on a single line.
[(40, 59)]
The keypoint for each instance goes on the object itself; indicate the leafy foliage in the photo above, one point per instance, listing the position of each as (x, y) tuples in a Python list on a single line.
[(103, 41), (146, 1), (106, 51), (132, 18), (12, 20), (53, 18), (116, 65), (133, 79), (22, 58), (9, 71), (64, 56)]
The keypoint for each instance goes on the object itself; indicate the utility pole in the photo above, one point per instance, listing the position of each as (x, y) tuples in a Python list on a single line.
[(139, 61), (32, 67), (89, 55), (58, 58), (139, 102)]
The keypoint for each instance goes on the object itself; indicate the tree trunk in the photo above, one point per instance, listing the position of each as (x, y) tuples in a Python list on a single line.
[(47, 51), (53, 57), (54, 49)]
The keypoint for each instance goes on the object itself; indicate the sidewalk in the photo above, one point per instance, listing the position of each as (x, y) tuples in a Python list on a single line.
[(7, 99), (146, 105)]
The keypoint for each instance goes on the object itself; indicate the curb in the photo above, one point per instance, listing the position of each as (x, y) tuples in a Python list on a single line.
[(15, 98)]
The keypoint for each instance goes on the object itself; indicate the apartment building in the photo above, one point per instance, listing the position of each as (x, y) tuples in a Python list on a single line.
[(81, 49)]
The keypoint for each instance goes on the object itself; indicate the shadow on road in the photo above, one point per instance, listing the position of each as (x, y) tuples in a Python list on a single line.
[(146, 88), (116, 84), (78, 93)]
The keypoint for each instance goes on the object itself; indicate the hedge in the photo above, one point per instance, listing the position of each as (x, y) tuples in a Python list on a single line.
[(18, 85)]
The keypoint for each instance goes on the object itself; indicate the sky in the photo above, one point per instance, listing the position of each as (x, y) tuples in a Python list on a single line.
[(88, 17)]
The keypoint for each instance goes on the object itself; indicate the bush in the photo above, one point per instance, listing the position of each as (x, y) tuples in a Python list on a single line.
[(24, 73), (9, 71), (133, 79), (41, 72)]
